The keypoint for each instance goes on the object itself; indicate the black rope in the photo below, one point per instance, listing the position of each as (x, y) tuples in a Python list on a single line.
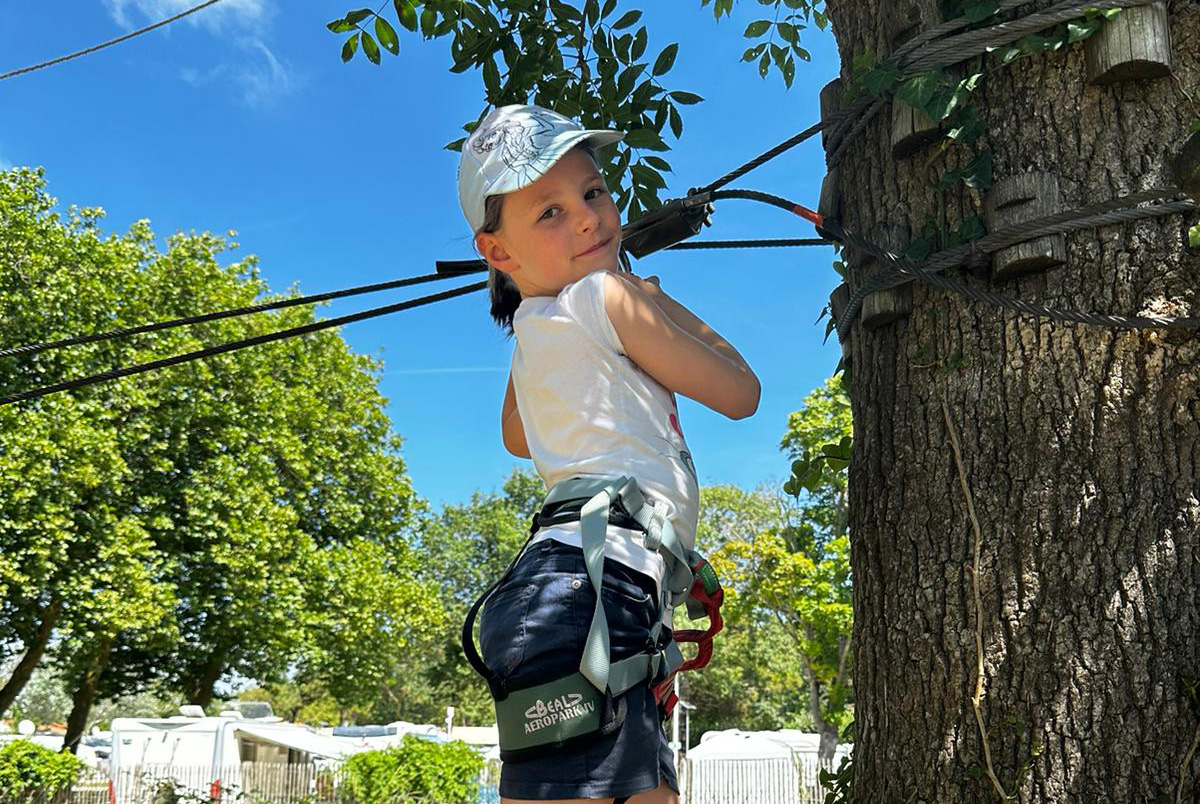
[(258, 308), (242, 344), (894, 264), (762, 159), (111, 42), (776, 243)]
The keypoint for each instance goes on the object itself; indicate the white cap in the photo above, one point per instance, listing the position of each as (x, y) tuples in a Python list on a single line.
[(511, 149)]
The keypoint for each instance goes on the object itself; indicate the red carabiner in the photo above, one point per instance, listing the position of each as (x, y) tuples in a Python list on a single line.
[(706, 589)]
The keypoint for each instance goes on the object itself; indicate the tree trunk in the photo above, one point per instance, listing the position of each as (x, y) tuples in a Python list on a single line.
[(201, 693), (33, 653), (827, 731), (85, 695), (1080, 448)]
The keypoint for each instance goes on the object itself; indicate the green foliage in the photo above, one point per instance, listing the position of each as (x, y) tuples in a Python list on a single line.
[(839, 785), (578, 59), (819, 442), (28, 768), (782, 55), (756, 679), (173, 527), (1063, 34), (415, 770), (1194, 236)]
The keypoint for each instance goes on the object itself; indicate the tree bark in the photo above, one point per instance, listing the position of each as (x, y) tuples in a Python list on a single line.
[(85, 695), (201, 692), (33, 653), (1080, 449)]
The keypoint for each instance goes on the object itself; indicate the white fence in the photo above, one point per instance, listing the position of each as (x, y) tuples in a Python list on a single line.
[(752, 781), (727, 781)]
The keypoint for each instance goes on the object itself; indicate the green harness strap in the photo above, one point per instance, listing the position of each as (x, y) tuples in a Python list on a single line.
[(596, 664), (570, 707)]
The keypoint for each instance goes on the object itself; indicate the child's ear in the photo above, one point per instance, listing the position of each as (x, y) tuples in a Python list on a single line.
[(494, 253)]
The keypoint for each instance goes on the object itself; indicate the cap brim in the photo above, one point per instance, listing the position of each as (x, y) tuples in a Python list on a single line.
[(512, 182)]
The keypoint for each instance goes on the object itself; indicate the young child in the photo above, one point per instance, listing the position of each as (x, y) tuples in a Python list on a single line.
[(599, 356)]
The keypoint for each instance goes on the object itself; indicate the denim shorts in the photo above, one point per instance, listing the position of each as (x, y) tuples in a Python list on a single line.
[(532, 630)]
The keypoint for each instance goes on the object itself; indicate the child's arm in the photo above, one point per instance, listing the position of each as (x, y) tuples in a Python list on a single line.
[(511, 425), (679, 350)]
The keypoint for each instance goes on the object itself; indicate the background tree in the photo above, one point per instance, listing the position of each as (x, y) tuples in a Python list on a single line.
[(1026, 607), (786, 564), (172, 529)]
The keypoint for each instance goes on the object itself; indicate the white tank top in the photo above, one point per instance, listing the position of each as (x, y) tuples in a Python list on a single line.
[(589, 411)]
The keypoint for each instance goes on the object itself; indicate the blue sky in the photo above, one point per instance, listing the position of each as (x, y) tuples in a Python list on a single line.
[(243, 117)]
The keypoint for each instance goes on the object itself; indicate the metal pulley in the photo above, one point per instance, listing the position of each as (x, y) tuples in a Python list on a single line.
[(673, 222)]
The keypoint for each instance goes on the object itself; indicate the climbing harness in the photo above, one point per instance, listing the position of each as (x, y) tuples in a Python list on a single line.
[(587, 703)]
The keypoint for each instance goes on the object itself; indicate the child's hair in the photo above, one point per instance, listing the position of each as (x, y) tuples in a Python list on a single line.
[(505, 298)]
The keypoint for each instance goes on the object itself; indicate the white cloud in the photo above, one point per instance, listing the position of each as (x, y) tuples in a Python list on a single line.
[(245, 15), (260, 76)]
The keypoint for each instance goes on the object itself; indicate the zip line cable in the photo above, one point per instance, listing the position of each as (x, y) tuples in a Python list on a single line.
[(1118, 210), (180, 322), (110, 43), (843, 126), (242, 344)]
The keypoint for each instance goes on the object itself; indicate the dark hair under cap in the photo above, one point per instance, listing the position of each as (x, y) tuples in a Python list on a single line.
[(504, 296)]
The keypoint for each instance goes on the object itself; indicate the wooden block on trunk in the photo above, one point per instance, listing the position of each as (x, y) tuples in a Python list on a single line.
[(905, 19), (1018, 199), (1134, 45), (831, 101), (912, 129), (830, 203), (884, 306)]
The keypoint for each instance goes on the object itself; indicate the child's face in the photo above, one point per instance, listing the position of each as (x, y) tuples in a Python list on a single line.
[(557, 230)]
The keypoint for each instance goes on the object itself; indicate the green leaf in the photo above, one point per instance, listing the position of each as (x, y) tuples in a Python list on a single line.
[(627, 19), (428, 22), (643, 138), (666, 60), (639, 44), (657, 162), (350, 48), (756, 29), (1078, 31), (764, 65), (341, 26), (685, 98), (491, 78), (918, 91), (355, 17), (647, 177), (387, 36), (881, 79), (1194, 127), (980, 11), (676, 123), (609, 7), (370, 48), (406, 12), (1194, 236), (753, 53)]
